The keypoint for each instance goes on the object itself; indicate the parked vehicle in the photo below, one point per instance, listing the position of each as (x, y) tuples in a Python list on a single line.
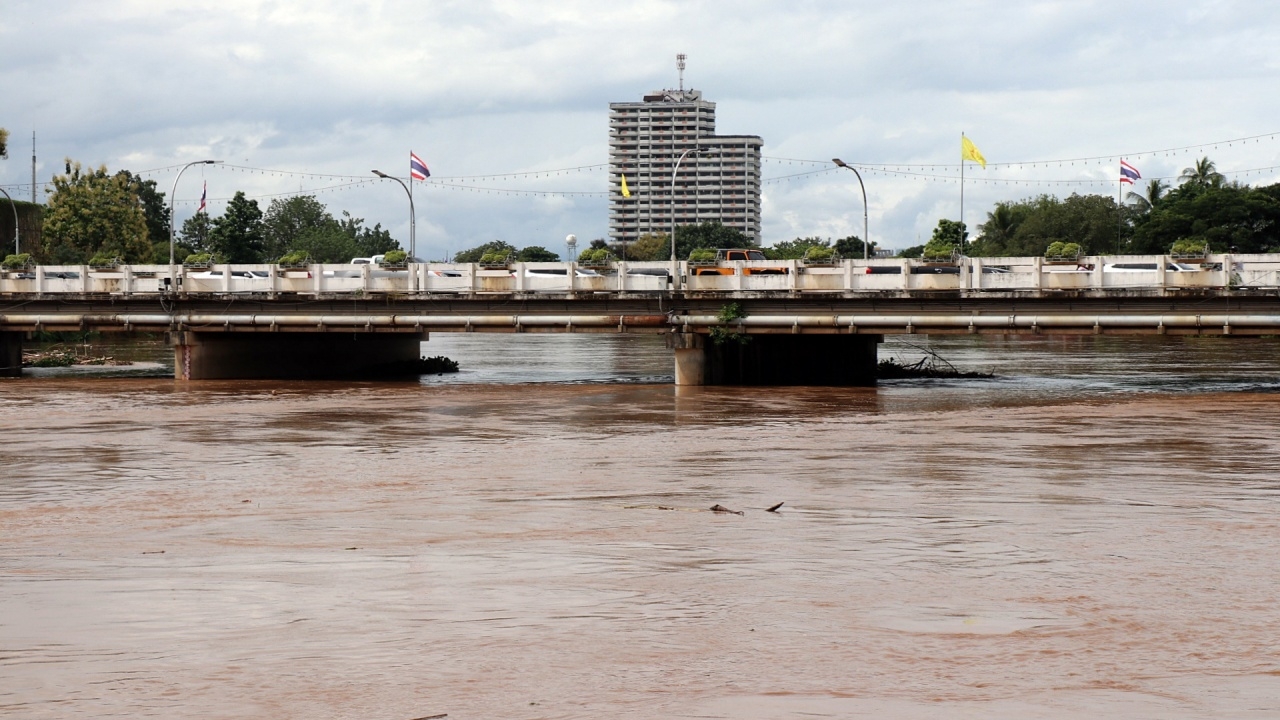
[(731, 255)]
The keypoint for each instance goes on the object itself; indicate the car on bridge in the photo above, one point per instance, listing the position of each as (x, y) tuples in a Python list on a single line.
[(734, 255)]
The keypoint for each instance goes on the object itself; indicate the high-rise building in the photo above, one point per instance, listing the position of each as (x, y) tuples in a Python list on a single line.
[(718, 180)]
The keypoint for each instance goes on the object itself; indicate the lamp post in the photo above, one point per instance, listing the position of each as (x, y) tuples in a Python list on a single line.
[(413, 247), (676, 169), (16, 246), (172, 193), (866, 241)]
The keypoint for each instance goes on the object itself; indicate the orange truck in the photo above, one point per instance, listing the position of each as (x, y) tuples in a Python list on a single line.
[(723, 256)]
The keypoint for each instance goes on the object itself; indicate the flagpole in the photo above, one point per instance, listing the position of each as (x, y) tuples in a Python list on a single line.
[(413, 250), (1119, 205), (961, 192)]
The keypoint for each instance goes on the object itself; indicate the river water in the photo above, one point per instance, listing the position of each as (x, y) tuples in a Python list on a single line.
[(1093, 533)]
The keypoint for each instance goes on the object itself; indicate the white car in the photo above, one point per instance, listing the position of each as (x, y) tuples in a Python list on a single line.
[(1147, 267), (245, 274)]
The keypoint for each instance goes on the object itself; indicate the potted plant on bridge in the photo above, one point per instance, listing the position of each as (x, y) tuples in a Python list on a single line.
[(104, 261), (296, 260), (394, 260), (819, 256), (1190, 249), (199, 261), (597, 258), (495, 260), (1062, 253), (939, 251), (18, 263), (702, 257)]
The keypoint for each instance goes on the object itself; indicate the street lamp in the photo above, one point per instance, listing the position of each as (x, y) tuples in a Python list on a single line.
[(172, 194), (866, 241), (412, 220), (676, 169), (16, 246)]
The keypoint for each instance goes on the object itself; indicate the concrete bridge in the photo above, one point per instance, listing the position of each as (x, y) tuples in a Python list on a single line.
[(807, 324)]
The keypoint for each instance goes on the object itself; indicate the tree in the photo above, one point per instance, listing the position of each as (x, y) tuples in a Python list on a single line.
[(948, 232), (327, 243), (4, 143), (709, 235), (474, 254), (93, 213), (795, 249), (369, 241), (154, 207), (1156, 190), (648, 247), (537, 253), (851, 247), (237, 236), (1203, 174), (195, 233), (288, 219), (996, 235)]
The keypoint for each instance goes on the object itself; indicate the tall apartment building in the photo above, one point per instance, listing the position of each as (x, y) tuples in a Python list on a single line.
[(719, 181)]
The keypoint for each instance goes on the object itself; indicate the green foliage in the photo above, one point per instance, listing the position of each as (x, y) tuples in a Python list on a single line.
[(820, 254), (438, 364), (709, 235), (237, 235), (1190, 246), (287, 220), (795, 249), (1203, 174), (20, 260), (702, 255), (194, 234), (947, 236), (154, 207), (1028, 227), (1058, 248), (914, 251), (4, 143), (395, 257), (595, 256), (369, 241), (494, 258), (729, 314), (90, 213), (537, 253), (475, 253), (104, 259), (1225, 216), (851, 247), (297, 257), (199, 259), (648, 247)]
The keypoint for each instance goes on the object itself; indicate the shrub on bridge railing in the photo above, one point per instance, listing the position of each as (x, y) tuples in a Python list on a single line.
[(1189, 248), (702, 256), (818, 255), (295, 259), (395, 258), (595, 257), (103, 261), (495, 260), (1059, 251), (21, 261), (199, 260)]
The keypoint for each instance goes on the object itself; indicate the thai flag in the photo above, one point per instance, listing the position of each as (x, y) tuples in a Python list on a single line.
[(418, 169), (203, 196), (1128, 173)]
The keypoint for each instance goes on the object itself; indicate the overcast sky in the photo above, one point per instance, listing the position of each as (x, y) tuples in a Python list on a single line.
[(503, 87)]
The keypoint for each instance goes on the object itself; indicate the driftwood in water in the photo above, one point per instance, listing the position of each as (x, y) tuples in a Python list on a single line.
[(932, 365), (722, 509), (774, 509)]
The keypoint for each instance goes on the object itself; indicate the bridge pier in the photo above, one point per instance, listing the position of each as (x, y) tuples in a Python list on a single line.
[(791, 359), (10, 354), (291, 355)]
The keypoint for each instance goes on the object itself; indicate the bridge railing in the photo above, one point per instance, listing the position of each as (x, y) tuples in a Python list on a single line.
[(989, 274)]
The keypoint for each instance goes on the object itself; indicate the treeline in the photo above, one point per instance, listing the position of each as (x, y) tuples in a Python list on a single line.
[(94, 214), (1202, 211)]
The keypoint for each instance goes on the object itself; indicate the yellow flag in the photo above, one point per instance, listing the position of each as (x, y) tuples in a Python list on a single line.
[(969, 151), (625, 191)]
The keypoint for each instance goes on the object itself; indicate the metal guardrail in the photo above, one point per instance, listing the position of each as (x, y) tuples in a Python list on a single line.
[(966, 275)]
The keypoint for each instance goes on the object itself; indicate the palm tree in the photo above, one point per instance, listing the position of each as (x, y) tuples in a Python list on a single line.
[(1146, 203), (1204, 173)]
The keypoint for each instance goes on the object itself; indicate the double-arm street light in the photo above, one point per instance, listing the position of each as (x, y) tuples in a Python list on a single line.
[(16, 246), (866, 241), (172, 194), (412, 220)]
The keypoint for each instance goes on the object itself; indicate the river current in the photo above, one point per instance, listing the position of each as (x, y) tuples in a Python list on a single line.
[(1091, 533)]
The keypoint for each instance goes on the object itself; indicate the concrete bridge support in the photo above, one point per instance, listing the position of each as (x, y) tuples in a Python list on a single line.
[(10, 354), (791, 359), (292, 355)]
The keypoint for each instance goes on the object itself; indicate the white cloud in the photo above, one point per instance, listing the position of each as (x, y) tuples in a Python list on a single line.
[(499, 86)]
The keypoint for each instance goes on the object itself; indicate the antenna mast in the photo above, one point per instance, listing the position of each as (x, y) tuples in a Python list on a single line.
[(33, 167), (680, 66)]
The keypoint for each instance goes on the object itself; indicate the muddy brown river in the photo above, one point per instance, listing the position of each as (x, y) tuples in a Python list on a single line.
[(1093, 533)]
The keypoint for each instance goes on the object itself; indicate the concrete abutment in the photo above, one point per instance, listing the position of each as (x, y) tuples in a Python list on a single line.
[(791, 359), (292, 355)]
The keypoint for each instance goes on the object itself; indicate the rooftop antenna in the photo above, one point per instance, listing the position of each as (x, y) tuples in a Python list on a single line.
[(680, 58)]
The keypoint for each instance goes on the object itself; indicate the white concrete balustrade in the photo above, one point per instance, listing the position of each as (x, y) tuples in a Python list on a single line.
[(971, 275)]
